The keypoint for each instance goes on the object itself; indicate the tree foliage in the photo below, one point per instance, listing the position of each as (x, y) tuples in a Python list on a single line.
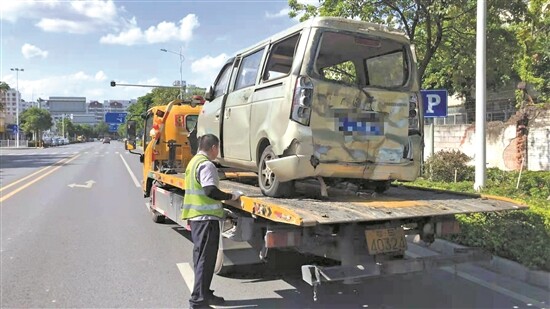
[(3, 88), (35, 120), (443, 32)]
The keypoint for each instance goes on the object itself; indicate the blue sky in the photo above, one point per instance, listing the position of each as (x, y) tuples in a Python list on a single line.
[(75, 48)]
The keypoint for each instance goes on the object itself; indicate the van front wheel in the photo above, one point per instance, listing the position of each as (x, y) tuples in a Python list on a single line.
[(269, 184)]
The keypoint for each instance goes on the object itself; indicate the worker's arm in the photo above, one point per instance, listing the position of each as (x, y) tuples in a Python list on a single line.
[(214, 193), (208, 178)]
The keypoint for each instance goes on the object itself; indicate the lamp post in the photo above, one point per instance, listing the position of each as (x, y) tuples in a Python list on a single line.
[(182, 58), (17, 70)]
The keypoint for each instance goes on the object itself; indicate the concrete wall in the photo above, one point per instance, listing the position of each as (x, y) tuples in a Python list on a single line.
[(501, 148)]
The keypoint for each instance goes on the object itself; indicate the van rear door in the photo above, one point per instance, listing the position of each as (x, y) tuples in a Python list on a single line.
[(360, 99)]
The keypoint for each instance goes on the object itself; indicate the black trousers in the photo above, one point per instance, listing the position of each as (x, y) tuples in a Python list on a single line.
[(206, 237)]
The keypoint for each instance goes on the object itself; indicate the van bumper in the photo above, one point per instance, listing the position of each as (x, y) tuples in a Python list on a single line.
[(299, 166)]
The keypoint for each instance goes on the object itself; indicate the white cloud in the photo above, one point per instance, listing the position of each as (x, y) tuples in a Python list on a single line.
[(282, 13), (100, 75), (64, 16), (78, 84), (96, 9), (62, 25), (31, 51), (162, 32), (206, 69)]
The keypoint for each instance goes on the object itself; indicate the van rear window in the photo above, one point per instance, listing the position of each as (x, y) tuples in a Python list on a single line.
[(360, 60)]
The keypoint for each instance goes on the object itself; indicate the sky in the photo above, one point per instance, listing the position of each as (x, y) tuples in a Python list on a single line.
[(75, 48)]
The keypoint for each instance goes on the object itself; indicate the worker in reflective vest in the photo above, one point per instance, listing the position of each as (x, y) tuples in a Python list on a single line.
[(202, 208)]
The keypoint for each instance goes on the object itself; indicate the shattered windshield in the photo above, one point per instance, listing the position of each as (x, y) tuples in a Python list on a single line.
[(359, 60)]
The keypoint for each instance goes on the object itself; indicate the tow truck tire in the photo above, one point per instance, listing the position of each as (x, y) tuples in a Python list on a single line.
[(382, 186), (157, 217), (267, 180)]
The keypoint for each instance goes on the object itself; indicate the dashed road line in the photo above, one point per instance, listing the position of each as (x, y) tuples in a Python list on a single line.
[(136, 182), (187, 273)]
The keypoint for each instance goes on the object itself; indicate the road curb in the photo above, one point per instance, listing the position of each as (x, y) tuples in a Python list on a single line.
[(502, 266)]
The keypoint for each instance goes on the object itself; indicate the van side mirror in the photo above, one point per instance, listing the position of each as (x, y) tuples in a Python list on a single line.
[(209, 94)]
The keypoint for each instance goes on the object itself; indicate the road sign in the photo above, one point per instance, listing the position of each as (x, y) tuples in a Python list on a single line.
[(113, 127), (115, 117), (12, 128), (435, 103)]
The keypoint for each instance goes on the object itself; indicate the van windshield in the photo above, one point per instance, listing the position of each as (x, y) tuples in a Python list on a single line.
[(361, 60)]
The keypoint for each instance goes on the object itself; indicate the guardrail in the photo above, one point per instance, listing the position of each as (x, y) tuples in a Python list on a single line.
[(12, 144)]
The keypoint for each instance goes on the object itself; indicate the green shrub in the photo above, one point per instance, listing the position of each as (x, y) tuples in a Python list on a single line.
[(443, 165), (522, 236)]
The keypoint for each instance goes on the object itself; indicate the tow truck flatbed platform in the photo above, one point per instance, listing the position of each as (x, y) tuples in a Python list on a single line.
[(309, 208)]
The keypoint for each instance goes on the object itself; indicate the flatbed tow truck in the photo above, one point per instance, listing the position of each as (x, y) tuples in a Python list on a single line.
[(364, 231)]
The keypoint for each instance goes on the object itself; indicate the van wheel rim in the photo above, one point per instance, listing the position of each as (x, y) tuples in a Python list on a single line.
[(268, 178)]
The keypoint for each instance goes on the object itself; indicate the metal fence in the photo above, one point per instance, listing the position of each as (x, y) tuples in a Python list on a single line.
[(12, 144)]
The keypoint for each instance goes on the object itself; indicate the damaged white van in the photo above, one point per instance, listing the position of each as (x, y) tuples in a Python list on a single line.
[(329, 98)]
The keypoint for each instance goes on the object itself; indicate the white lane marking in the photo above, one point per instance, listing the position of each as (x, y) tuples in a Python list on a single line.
[(117, 152), (130, 171), (107, 152), (188, 275), (65, 153), (486, 284)]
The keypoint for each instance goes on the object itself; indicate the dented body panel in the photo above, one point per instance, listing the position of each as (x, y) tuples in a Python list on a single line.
[(332, 97)]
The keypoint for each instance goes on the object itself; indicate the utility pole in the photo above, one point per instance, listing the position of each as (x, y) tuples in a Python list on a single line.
[(480, 95), (17, 70), (182, 58)]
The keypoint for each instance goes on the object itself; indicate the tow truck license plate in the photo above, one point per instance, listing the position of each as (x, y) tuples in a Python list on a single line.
[(386, 240)]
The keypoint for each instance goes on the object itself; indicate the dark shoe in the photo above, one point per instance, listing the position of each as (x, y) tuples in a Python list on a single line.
[(215, 300), (200, 306)]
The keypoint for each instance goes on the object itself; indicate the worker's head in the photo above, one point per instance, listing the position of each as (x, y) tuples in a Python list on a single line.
[(209, 143)]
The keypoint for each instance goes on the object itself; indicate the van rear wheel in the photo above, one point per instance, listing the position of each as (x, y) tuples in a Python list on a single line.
[(269, 184)]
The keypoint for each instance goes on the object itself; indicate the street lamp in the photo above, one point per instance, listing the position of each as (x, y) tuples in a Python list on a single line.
[(182, 58), (17, 70)]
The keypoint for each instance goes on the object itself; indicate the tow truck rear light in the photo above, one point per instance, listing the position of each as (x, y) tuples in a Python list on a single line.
[(301, 101), (282, 238)]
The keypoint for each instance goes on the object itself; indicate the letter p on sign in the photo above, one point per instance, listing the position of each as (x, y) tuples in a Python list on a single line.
[(434, 103)]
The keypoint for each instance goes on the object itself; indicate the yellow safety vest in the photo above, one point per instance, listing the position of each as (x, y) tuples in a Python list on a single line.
[(195, 201)]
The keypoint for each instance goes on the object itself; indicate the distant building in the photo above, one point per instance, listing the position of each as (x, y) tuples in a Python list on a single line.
[(97, 110), (9, 100)]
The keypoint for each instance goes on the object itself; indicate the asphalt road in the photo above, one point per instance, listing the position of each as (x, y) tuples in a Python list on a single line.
[(75, 233)]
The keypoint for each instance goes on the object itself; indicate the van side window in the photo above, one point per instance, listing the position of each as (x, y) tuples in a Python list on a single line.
[(249, 70), (281, 58), (221, 85), (342, 72)]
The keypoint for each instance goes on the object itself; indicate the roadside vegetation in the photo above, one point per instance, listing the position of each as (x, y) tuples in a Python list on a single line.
[(522, 236)]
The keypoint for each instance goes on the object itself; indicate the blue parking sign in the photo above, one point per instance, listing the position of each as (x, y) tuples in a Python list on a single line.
[(434, 103)]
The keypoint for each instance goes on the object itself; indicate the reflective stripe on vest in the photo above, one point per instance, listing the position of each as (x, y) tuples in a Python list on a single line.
[(195, 201)]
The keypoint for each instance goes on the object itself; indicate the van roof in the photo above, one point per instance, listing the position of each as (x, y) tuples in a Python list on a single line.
[(338, 23)]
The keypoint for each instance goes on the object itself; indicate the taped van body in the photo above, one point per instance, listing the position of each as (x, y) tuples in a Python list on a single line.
[(331, 97)]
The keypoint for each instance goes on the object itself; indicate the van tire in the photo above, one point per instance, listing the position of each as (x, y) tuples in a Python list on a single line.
[(269, 185)]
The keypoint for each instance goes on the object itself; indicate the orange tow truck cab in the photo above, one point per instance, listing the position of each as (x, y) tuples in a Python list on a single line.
[(169, 137)]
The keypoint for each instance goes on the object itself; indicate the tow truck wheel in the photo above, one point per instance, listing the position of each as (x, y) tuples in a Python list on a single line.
[(269, 184), (157, 217), (382, 186)]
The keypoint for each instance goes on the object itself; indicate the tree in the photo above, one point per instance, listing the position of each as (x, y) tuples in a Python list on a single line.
[(532, 62), (35, 120), (3, 88), (68, 129), (444, 35), (101, 129)]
